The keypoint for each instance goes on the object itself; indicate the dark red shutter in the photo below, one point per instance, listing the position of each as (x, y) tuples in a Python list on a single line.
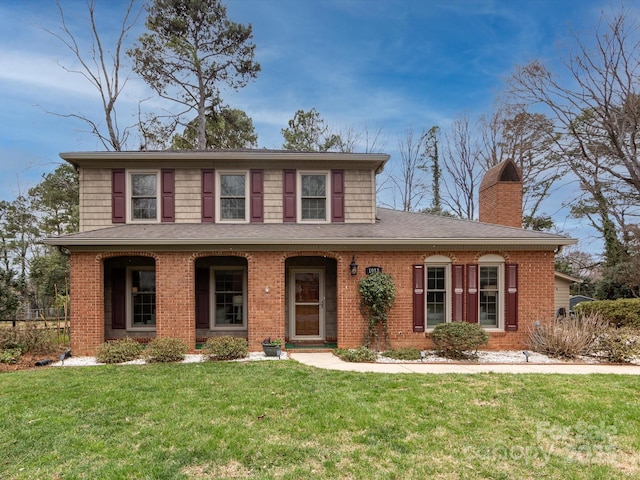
[(337, 195), (511, 297), (457, 281), (472, 294), (202, 298), (168, 199), (257, 196), (418, 298), (289, 196), (118, 298), (118, 196), (208, 196)]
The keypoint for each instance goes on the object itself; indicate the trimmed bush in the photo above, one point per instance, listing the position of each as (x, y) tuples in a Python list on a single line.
[(569, 337), (624, 312), (620, 345), (118, 351), (458, 339), (403, 354), (356, 355), (165, 350), (226, 348)]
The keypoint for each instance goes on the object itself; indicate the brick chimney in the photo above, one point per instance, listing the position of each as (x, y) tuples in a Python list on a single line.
[(500, 195)]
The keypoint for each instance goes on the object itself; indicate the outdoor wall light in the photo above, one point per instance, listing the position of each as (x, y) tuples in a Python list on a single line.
[(353, 266)]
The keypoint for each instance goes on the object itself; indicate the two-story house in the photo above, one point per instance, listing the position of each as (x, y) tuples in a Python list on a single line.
[(263, 243)]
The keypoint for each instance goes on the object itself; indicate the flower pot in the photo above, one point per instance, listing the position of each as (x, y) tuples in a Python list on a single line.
[(271, 350)]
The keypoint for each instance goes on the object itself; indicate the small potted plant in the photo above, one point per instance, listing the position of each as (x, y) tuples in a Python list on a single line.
[(272, 348)]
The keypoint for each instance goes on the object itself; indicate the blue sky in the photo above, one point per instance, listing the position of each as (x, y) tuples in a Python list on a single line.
[(389, 64)]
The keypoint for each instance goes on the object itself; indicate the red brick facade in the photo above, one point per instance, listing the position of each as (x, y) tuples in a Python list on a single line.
[(266, 298)]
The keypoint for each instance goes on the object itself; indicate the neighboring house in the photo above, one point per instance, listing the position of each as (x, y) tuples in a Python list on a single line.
[(265, 243), (563, 292), (576, 299)]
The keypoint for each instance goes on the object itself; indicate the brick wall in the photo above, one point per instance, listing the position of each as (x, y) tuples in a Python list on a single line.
[(175, 295), (501, 204)]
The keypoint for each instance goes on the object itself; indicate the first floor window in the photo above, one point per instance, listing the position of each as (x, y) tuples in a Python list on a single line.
[(142, 305), (489, 296), (144, 196), (436, 295), (233, 196), (313, 197), (229, 297)]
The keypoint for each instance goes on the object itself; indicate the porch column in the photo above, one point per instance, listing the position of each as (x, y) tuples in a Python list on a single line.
[(175, 297), (87, 308), (350, 322), (266, 301)]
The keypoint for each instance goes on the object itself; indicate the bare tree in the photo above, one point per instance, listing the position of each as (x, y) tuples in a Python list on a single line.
[(463, 166), (409, 182), (365, 140), (597, 114), (528, 139), (102, 67)]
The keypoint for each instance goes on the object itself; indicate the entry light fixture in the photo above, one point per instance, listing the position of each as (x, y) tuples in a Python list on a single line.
[(353, 266)]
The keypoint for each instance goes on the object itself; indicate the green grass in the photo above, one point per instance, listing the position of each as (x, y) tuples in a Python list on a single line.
[(286, 421)]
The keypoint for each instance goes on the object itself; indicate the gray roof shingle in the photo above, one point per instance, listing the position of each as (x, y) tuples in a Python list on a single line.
[(391, 228)]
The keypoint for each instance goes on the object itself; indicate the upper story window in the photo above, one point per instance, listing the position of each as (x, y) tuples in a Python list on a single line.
[(233, 197), (313, 196), (143, 205)]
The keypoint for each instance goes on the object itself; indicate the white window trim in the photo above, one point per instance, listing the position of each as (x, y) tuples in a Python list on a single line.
[(439, 261), (129, 306), (494, 261), (130, 218), (328, 191), (247, 202), (212, 299)]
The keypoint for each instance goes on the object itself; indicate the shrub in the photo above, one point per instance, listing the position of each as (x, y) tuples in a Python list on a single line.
[(226, 348), (378, 293), (569, 337), (118, 351), (403, 354), (458, 339), (165, 350), (8, 338), (624, 312), (620, 345), (10, 355), (360, 354), (31, 338)]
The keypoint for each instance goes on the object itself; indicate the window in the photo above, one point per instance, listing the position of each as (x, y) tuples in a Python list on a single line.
[(144, 196), (142, 299), (489, 296), (233, 204), (491, 291), (313, 197), (436, 296), (229, 298)]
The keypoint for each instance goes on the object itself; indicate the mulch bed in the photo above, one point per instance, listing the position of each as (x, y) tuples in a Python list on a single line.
[(28, 361)]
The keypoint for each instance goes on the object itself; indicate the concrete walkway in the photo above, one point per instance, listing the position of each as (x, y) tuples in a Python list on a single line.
[(331, 362)]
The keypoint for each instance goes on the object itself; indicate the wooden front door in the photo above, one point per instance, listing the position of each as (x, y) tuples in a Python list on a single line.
[(307, 304)]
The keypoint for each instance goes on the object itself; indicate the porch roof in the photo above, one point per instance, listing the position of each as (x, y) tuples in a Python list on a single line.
[(393, 229)]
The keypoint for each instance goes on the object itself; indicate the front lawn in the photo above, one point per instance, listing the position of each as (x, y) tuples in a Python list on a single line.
[(284, 420)]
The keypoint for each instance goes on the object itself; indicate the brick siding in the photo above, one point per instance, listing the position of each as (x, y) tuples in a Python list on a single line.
[(175, 295)]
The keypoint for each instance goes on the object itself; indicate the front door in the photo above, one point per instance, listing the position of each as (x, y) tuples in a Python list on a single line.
[(307, 304)]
